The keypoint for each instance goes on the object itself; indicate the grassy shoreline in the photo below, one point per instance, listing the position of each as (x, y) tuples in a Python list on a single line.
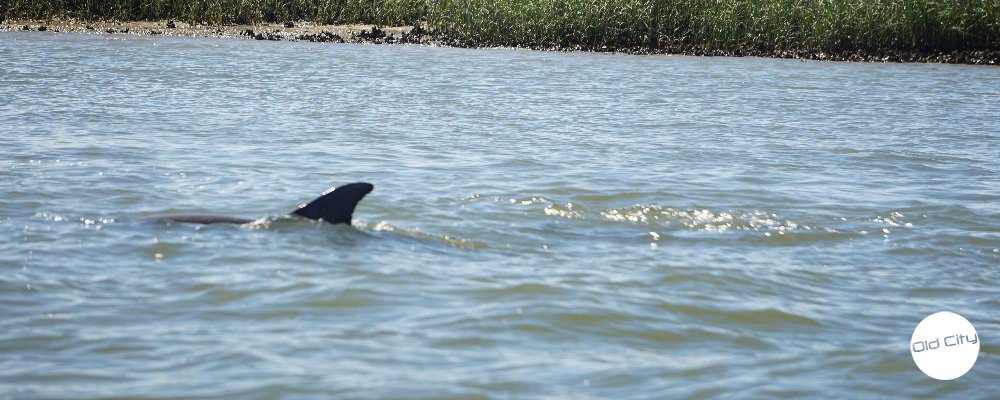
[(963, 31)]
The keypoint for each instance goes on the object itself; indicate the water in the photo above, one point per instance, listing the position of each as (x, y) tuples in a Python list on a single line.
[(543, 225)]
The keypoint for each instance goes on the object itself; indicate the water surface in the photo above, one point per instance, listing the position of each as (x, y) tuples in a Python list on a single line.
[(543, 225)]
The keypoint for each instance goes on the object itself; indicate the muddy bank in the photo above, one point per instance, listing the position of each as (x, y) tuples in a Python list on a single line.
[(311, 32), (956, 57), (289, 31)]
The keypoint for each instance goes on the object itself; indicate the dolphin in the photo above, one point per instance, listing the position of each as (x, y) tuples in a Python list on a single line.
[(335, 206)]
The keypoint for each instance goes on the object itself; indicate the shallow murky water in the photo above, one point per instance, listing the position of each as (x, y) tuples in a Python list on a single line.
[(543, 224)]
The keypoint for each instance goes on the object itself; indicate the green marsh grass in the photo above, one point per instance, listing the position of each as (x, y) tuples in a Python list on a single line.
[(382, 12), (764, 26)]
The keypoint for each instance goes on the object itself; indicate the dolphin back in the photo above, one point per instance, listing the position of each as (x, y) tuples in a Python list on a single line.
[(204, 219), (336, 205)]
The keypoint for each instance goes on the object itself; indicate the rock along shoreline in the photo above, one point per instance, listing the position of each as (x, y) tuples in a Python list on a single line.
[(367, 34)]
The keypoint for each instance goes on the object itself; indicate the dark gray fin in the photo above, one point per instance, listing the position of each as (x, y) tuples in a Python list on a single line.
[(337, 204)]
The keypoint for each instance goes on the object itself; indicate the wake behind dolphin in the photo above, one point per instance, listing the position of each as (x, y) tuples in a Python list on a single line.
[(335, 206)]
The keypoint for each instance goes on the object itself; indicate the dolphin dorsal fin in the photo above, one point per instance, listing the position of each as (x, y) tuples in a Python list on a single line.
[(337, 204)]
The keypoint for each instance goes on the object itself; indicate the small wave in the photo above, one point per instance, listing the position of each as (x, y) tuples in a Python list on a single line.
[(657, 216), (383, 226), (662, 221), (894, 218), (96, 223), (703, 220), (771, 318)]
